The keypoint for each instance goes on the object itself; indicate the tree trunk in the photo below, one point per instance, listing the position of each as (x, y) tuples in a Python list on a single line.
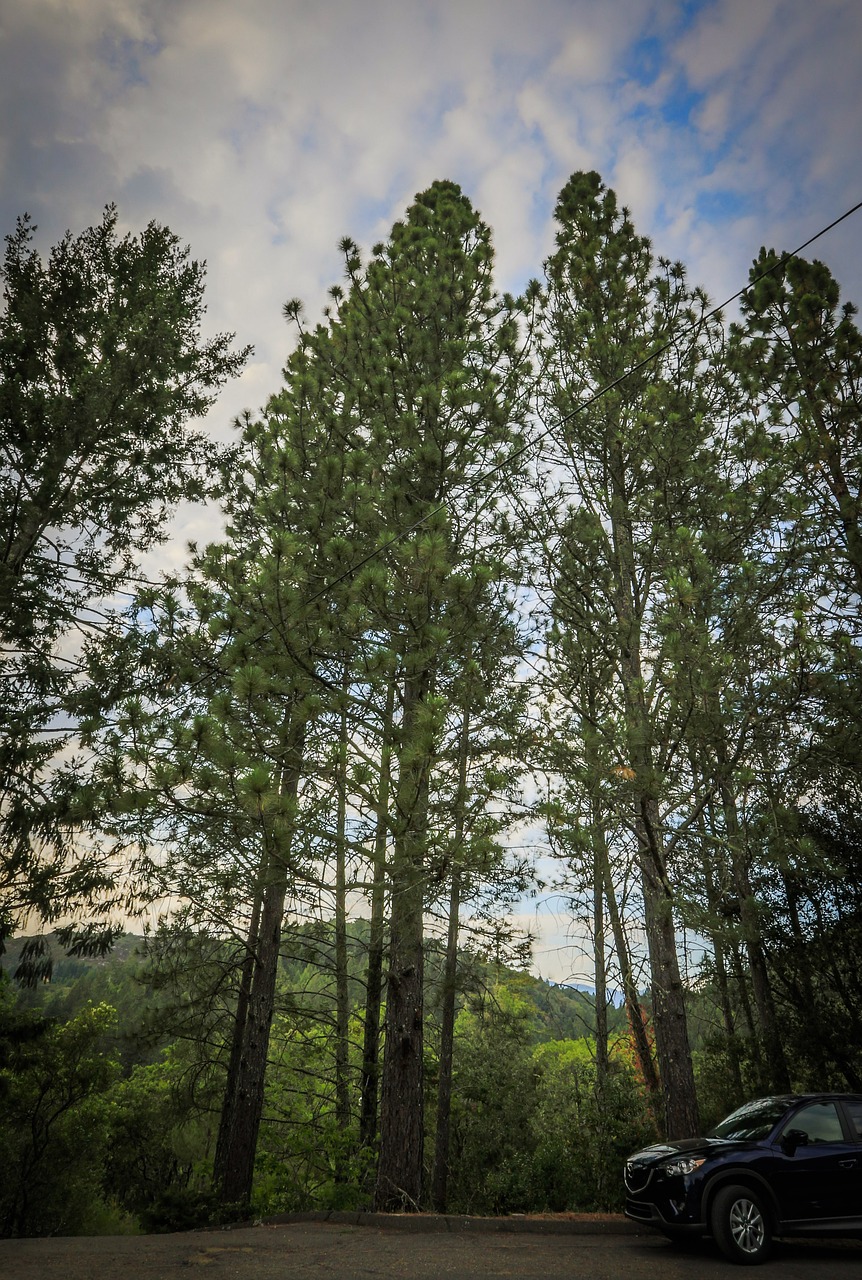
[(669, 1018), (764, 1003), (442, 1142), (634, 1012), (602, 1061), (399, 1172), (447, 1022), (739, 972), (229, 1103), (713, 896), (374, 976), (234, 1177), (599, 849), (342, 994)]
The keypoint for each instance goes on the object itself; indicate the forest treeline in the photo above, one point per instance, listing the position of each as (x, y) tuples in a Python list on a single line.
[(111, 1103), (572, 574)]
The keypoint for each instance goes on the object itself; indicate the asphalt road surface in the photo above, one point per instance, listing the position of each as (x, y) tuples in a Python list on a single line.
[(318, 1251)]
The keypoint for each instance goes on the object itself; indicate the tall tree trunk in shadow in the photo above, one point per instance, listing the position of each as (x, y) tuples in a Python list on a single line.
[(440, 1177), (776, 1062), (602, 1060), (402, 1111), (600, 858), (671, 1029), (342, 994), (229, 1102), (676, 1072), (374, 976), (713, 901), (234, 1176), (634, 1010)]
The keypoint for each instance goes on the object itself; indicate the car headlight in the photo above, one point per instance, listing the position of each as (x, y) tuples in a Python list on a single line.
[(683, 1164)]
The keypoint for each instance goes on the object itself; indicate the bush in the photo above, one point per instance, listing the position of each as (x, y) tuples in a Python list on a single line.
[(54, 1129), (494, 1097), (158, 1165), (531, 1129), (582, 1134)]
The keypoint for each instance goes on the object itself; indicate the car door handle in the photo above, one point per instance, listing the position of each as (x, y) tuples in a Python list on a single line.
[(847, 1164)]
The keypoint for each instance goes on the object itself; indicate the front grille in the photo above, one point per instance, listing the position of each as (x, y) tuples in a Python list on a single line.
[(637, 1176)]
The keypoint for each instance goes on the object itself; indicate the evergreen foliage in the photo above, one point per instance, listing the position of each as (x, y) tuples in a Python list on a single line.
[(102, 369), (424, 662)]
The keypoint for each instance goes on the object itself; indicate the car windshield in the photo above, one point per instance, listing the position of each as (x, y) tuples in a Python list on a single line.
[(753, 1121)]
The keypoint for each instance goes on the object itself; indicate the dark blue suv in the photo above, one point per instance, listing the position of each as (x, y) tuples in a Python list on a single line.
[(789, 1165)]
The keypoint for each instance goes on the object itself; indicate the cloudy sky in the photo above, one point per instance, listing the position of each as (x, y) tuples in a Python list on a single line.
[(263, 131)]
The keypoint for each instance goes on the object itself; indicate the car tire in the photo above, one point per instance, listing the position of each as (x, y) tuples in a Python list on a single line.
[(740, 1225)]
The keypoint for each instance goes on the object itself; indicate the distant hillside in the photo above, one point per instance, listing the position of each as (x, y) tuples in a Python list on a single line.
[(559, 1012), (66, 968)]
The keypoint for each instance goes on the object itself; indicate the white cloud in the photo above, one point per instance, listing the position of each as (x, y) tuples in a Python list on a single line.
[(726, 37)]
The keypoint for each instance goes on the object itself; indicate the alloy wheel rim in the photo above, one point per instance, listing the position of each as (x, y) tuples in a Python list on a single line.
[(746, 1226)]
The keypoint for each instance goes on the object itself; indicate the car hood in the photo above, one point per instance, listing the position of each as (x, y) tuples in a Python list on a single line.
[(685, 1146)]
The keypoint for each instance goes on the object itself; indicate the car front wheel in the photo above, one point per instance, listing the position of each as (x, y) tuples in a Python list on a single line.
[(740, 1225)]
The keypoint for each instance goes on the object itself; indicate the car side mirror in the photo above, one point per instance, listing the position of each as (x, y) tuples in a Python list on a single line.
[(794, 1138)]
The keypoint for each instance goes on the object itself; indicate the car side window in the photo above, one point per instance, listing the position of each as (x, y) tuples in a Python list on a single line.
[(819, 1122), (854, 1111)]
